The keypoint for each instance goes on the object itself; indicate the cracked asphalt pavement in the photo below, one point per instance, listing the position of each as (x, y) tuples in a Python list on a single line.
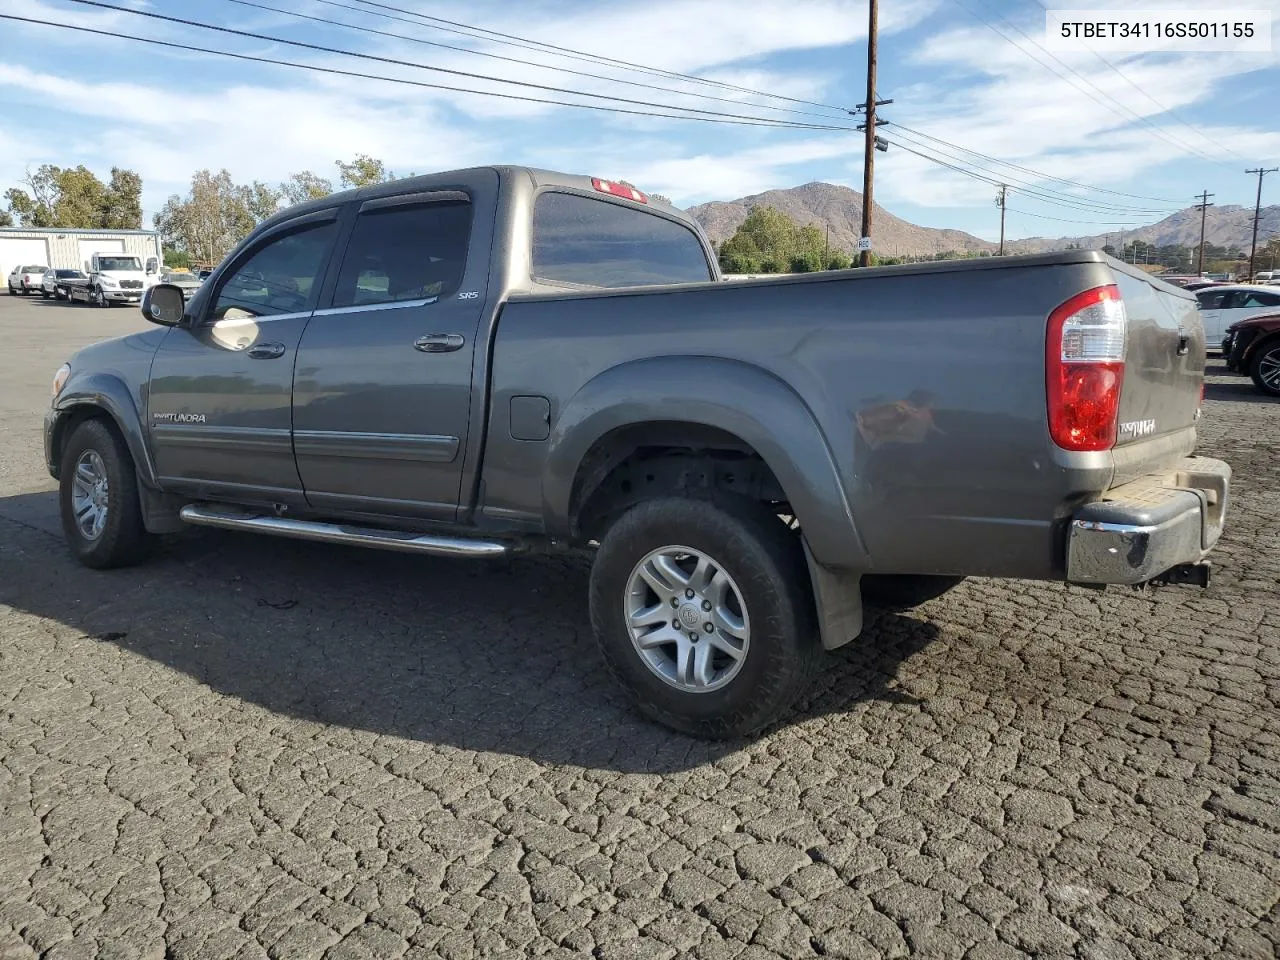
[(250, 747)]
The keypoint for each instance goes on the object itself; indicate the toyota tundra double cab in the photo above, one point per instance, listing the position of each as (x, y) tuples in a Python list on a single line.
[(496, 360)]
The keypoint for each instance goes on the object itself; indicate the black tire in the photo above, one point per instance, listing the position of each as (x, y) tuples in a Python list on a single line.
[(124, 539), (889, 591), (765, 560), (44, 294), (1264, 368)]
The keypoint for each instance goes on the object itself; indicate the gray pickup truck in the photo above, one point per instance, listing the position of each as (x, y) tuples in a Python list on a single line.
[(499, 360)]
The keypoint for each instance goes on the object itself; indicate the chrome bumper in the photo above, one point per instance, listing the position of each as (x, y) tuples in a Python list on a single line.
[(1143, 529)]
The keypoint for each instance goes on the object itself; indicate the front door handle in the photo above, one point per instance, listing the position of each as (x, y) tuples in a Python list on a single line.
[(439, 343), (266, 351), (1184, 344)]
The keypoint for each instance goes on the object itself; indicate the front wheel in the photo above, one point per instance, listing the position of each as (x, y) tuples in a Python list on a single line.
[(97, 297), (98, 497), (704, 614), (1265, 369)]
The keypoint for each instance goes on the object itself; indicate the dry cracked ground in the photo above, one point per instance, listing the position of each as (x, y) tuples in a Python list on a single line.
[(252, 748)]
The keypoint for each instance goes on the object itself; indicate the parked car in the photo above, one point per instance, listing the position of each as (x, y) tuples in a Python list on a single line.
[(26, 280), (1195, 285), (1222, 306), (500, 360), (55, 282), (1252, 347), (184, 280)]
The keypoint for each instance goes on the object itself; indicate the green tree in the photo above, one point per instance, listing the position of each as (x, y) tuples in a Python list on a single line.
[(838, 260), (363, 171), (6, 218), (303, 186), (214, 216), (177, 258), (74, 197), (122, 209)]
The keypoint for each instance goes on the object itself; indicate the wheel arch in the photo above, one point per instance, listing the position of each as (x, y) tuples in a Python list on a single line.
[(713, 400), (106, 398)]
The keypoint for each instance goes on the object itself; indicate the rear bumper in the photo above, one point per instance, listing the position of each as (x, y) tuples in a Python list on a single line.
[(1143, 529)]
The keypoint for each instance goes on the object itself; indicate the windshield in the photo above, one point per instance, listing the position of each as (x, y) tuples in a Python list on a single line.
[(34, 268), (69, 274), (119, 263), (178, 277)]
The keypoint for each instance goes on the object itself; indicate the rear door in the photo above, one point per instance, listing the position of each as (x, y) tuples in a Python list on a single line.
[(383, 384), (220, 393)]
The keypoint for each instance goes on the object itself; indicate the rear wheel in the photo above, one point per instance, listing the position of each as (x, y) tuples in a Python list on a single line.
[(1265, 368), (703, 612), (98, 496)]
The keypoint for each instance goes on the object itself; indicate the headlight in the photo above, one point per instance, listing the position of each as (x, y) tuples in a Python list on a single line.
[(60, 378), (108, 282)]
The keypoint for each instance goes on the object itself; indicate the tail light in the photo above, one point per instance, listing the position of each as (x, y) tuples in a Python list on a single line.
[(1084, 368), (619, 190)]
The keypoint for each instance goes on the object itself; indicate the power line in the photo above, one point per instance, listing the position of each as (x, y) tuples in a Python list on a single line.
[(515, 60), (422, 66), (192, 48), (1042, 216), (1035, 190), (1169, 110), (1029, 170), (1114, 107), (513, 40)]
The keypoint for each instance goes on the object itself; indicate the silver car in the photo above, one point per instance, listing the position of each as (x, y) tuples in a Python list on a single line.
[(185, 279)]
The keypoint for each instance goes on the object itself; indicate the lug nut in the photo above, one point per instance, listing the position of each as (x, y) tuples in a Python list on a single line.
[(688, 594), (706, 604), (674, 602), (675, 624), (708, 627), (693, 636)]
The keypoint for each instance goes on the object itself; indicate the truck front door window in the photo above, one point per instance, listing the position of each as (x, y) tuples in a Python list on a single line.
[(587, 242), (280, 277)]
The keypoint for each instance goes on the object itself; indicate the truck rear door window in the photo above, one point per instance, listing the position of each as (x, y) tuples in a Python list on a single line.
[(594, 243), (408, 252)]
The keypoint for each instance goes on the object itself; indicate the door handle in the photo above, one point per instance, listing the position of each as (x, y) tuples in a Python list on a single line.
[(439, 343), (1184, 344), (266, 351)]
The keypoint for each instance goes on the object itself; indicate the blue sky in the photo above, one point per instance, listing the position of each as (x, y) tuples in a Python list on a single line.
[(166, 113)]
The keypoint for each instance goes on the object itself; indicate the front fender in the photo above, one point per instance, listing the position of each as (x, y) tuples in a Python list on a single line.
[(741, 399), (110, 394)]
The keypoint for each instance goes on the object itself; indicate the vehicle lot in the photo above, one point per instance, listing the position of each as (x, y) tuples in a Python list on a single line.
[(256, 747)]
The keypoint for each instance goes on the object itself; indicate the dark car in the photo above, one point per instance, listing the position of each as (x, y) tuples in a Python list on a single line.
[(55, 282), (1252, 347)]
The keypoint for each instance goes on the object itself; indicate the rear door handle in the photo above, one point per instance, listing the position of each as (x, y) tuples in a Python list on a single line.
[(439, 343), (266, 351)]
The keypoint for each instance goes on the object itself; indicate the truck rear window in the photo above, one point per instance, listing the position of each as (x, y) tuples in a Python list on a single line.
[(596, 243)]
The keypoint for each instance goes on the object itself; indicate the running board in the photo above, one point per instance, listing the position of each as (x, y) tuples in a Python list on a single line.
[(402, 540)]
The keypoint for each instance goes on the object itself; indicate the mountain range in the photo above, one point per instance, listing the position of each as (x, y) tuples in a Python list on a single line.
[(838, 209)]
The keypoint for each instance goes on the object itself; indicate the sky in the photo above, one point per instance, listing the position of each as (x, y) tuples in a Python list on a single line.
[(1138, 135)]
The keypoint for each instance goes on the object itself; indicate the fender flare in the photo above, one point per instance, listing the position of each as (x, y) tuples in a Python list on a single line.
[(109, 394), (730, 395)]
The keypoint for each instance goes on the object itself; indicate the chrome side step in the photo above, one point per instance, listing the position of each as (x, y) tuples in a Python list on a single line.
[(405, 541)]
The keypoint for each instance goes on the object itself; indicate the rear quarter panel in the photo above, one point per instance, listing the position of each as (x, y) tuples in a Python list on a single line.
[(928, 384)]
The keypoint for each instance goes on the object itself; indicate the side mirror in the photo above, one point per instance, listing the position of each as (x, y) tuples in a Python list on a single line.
[(163, 304)]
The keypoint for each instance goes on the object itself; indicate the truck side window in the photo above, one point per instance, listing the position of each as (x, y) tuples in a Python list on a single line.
[(280, 277), (588, 242), (405, 253)]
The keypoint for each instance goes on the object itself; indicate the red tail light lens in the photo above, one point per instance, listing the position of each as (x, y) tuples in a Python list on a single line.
[(1084, 368), (619, 190)]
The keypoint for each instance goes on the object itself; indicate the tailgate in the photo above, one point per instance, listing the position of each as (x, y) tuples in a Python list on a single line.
[(1163, 375)]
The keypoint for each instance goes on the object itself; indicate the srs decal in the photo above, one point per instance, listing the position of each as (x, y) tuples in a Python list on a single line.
[(178, 417)]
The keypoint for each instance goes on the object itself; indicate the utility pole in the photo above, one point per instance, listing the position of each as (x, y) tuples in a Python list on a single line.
[(1000, 202), (1203, 206), (869, 151), (1257, 214)]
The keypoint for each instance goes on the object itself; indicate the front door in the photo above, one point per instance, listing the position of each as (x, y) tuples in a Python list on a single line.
[(382, 389), (221, 389)]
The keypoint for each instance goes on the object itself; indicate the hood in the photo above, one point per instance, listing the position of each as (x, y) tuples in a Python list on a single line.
[(1258, 320)]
